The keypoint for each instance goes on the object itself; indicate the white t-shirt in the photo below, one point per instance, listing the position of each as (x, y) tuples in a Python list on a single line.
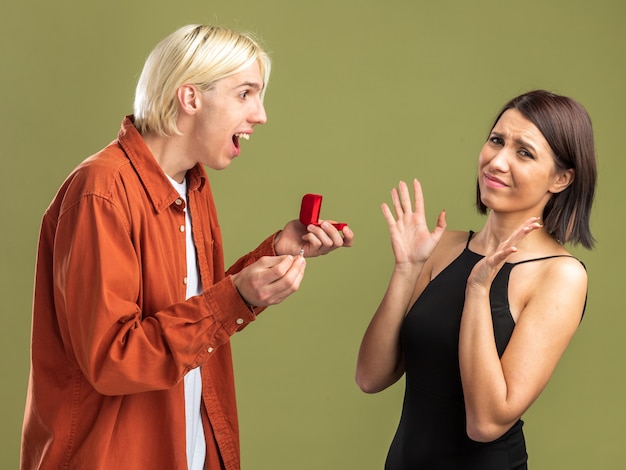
[(196, 445)]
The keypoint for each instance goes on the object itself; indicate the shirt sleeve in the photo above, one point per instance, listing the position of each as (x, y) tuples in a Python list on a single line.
[(266, 248), (121, 345)]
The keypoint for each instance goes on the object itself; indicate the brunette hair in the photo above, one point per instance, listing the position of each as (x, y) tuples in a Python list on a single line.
[(567, 128)]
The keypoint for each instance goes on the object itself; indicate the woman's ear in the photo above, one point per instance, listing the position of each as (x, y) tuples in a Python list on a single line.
[(188, 98), (562, 180)]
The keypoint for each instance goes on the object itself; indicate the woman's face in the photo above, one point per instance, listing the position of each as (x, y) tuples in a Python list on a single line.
[(516, 168)]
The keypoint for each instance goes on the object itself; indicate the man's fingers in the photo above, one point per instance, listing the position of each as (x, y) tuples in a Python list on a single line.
[(271, 279)]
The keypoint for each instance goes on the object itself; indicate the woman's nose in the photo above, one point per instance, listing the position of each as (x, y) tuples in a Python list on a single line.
[(499, 160)]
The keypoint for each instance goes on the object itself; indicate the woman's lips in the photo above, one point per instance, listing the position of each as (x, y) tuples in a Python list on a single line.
[(494, 182)]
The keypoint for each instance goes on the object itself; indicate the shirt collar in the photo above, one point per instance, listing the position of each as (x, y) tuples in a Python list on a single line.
[(161, 192)]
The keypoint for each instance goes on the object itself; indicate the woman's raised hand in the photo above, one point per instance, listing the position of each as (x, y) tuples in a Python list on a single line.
[(411, 240), (486, 269)]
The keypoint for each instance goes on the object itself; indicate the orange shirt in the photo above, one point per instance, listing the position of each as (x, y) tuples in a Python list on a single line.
[(112, 333)]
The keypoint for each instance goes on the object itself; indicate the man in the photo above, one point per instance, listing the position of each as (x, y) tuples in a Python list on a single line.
[(133, 310)]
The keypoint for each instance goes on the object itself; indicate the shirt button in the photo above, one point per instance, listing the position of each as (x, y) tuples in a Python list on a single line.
[(178, 201), (185, 280), (210, 350), (239, 321), (182, 228)]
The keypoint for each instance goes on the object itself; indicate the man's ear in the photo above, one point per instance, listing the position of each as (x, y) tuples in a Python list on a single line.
[(188, 98), (562, 180)]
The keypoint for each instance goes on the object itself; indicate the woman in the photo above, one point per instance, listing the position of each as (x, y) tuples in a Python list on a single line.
[(479, 321)]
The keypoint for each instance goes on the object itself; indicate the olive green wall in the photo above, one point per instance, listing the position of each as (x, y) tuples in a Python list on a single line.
[(363, 94)]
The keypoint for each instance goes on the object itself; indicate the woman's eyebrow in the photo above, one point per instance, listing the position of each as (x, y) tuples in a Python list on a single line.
[(518, 140), (525, 143)]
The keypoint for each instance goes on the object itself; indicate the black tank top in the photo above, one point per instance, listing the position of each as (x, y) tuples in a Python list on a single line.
[(431, 434)]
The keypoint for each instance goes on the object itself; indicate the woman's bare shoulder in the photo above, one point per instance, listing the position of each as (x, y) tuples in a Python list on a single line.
[(450, 246), (551, 283), (450, 240), (566, 270)]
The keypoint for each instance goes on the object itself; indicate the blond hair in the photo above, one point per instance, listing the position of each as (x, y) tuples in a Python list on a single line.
[(194, 54)]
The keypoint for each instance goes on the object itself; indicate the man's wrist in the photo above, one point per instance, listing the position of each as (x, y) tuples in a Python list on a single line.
[(276, 238)]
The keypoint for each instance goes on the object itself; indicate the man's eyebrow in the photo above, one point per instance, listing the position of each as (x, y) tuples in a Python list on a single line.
[(255, 85)]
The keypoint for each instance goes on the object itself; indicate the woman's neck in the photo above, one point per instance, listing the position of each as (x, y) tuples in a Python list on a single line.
[(498, 228)]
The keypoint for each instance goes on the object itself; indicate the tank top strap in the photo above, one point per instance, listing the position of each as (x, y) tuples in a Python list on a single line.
[(471, 234), (512, 265), (548, 257), (469, 237)]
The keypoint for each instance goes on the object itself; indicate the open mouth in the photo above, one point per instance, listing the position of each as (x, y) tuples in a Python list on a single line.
[(236, 138)]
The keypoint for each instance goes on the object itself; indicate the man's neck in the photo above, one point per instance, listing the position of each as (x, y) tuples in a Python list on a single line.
[(167, 151)]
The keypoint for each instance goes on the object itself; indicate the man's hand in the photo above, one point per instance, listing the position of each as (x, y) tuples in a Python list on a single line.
[(314, 240), (270, 280)]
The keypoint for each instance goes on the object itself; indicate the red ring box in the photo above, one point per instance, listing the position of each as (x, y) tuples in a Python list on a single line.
[(310, 211)]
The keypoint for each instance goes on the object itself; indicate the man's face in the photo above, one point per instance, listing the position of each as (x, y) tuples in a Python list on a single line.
[(228, 114)]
